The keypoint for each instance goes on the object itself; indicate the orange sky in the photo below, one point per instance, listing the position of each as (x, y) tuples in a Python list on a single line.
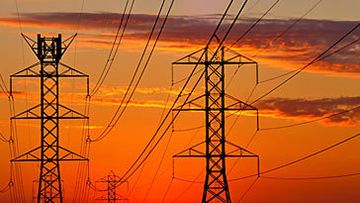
[(327, 87)]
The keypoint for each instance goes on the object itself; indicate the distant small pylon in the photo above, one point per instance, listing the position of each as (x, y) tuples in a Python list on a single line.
[(109, 185)]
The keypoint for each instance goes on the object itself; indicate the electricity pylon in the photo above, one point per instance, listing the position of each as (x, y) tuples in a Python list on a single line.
[(49, 51), (216, 146), (112, 182)]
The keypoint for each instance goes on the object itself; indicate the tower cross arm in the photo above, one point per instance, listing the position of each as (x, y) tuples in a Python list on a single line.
[(191, 152)]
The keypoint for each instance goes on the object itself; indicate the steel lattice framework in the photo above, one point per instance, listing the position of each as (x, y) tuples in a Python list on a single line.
[(49, 51), (217, 148), (112, 182)]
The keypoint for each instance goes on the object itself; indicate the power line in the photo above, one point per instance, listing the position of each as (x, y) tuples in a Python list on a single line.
[(312, 121), (295, 162), (158, 169), (18, 15), (187, 188), (16, 173), (285, 126), (256, 22), (345, 175), (320, 59), (114, 48), (164, 153), (3, 87), (303, 158), (167, 191), (307, 65), (117, 115), (276, 38), (129, 173), (290, 27), (248, 190), (3, 138), (6, 188)]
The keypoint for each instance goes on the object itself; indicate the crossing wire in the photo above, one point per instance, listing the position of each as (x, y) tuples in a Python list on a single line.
[(116, 116), (137, 163), (165, 151), (312, 121), (126, 99), (248, 190), (293, 162), (346, 175), (320, 59), (254, 24), (3, 138), (307, 65), (292, 25), (306, 157), (3, 87), (83, 149), (237, 41), (167, 190), (115, 47), (16, 174), (16, 188)]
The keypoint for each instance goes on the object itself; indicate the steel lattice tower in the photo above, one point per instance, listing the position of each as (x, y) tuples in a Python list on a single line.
[(49, 51), (217, 148), (112, 182)]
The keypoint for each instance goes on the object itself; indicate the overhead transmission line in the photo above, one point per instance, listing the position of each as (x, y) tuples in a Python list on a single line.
[(3, 138), (17, 193), (286, 126), (304, 158), (313, 177), (3, 86), (273, 40), (309, 156), (289, 27), (307, 65), (162, 156), (237, 41), (311, 121), (119, 113), (126, 98), (321, 151), (248, 190), (317, 119), (293, 162), (320, 59), (137, 163), (314, 120), (254, 24), (115, 46)]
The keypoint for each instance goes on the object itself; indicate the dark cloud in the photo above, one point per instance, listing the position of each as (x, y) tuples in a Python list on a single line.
[(312, 109), (304, 41)]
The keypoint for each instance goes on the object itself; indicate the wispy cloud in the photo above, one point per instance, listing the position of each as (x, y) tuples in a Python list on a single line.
[(283, 108), (305, 109), (182, 33)]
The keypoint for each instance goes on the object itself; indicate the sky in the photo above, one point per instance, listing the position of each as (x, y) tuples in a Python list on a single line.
[(322, 89)]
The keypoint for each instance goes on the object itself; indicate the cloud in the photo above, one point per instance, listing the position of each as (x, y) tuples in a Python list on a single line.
[(184, 33), (283, 108), (120, 90), (307, 109)]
